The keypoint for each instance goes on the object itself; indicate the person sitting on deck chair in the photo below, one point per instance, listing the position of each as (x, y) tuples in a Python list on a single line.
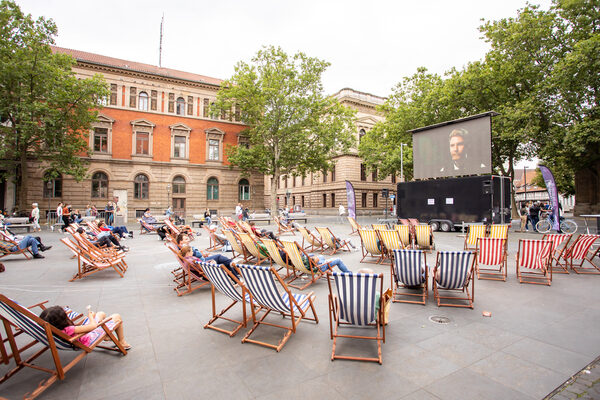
[(27, 241), (184, 240)]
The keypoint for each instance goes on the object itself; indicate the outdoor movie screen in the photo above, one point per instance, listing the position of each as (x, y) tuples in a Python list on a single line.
[(455, 148)]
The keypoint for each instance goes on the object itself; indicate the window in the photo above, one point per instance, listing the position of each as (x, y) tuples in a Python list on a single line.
[(99, 185), (363, 172), (302, 201), (374, 175), (179, 147), (324, 176), (212, 189), (113, 94), (303, 182), (324, 199), (142, 143), (237, 113), (285, 182), (361, 133), (140, 187), (143, 101), (171, 102), (293, 180), (205, 109), (332, 199), (132, 96), (178, 185), (223, 115), (190, 107), (244, 189), (375, 200), (333, 174), (101, 140), (393, 178), (213, 149), (180, 106), (153, 100), (363, 200), (52, 186)]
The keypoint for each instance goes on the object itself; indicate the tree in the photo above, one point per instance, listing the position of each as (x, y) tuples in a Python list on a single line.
[(293, 129), (46, 111)]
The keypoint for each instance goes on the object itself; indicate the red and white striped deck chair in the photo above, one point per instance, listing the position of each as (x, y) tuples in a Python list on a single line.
[(333, 243), (310, 242), (404, 232), (453, 272), (391, 241), (355, 226), (490, 261), (560, 243), (534, 260), (424, 237), (581, 249), (474, 232), (370, 245), (500, 231)]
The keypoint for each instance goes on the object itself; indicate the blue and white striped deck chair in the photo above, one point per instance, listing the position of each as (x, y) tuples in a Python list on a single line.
[(260, 283), (453, 272), (409, 274), (356, 302), (53, 339), (224, 281)]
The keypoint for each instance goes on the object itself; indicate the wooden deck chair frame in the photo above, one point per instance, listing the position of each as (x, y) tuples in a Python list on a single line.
[(275, 257), (146, 227), (331, 241), (490, 259), (295, 253), (281, 228), (87, 264), (192, 278), (223, 280), (213, 242), (405, 235), (236, 245), (314, 243), (455, 282), (371, 246), (338, 315), (354, 225), (4, 354), (581, 249), (265, 293), (560, 244), (534, 261), (5, 252), (409, 276), (390, 240), (253, 248), (474, 232), (424, 237), (52, 339)]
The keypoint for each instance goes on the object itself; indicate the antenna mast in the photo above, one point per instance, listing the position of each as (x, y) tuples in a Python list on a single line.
[(160, 46)]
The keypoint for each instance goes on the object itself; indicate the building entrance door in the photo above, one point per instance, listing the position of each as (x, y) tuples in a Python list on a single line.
[(179, 207)]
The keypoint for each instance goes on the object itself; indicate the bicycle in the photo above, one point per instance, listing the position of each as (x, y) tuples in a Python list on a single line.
[(566, 225)]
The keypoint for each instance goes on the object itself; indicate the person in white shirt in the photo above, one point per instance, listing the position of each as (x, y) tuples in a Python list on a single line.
[(239, 211), (35, 217), (342, 212)]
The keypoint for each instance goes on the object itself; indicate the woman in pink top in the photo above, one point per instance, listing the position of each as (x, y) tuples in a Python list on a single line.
[(57, 317)]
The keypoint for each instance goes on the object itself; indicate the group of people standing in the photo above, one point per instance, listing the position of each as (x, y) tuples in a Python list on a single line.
[(530, 214)]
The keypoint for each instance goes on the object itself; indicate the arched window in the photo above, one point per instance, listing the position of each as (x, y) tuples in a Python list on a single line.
[(244, 189), (178, 185), (140, 186), (180, 106), (212, 189), (143, 102), (361, 133), (52, 184), (99, 185)]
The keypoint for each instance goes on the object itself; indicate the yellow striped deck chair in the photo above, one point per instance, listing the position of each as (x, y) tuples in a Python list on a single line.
[(355, 226), (312, 242), (474, 232), (424, 237), (334, 244), (236, 245), (275, 256), (380, 226), (404, 232), (295, 254), (370, 245), (282, 228), (499, 231), (248, 229), (391, 241), (260, 255)]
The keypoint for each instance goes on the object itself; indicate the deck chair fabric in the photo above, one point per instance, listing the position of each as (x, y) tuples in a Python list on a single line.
[(237, 248), (454, 272), (380, 226), (474, 232), (370, 246), (12, 314), (261, 284), (4, 342), (146, 227), (88, 263), (499, 231), (276, 256), (192, 275), (333, 243), (354, 225), (258, 253), (214, 243), (560, 244), (404, 232), (490, 259), (409, 274), (312, 242), (582, 250), (391, 241), (424, 237), (356, 301), (282, 228), (534, 258), (297, 257)]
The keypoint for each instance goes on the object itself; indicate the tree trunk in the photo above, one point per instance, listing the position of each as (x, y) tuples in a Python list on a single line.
[(22, 180), (274, 180)]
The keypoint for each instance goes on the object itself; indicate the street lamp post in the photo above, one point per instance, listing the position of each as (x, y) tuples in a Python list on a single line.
[(49, 190), (168, 194), (402, 161), (525, 185)]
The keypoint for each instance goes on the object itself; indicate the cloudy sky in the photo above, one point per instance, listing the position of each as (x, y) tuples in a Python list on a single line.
[(371, 45)]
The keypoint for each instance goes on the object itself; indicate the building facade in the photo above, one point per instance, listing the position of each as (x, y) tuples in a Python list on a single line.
[(154, 144)]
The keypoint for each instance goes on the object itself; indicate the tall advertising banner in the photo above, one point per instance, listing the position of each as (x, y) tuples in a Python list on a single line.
[(552, 194), (351, 200)]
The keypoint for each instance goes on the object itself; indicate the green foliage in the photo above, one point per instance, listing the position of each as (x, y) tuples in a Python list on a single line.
[(46, 111), (292, 127)]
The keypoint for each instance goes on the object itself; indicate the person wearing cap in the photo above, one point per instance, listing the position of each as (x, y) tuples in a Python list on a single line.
[(35, 217)]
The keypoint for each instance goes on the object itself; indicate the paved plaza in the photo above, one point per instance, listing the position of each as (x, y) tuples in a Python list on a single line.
[(537, 338)]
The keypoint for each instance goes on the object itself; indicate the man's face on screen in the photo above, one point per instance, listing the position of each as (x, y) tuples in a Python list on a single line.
[(457, 148)]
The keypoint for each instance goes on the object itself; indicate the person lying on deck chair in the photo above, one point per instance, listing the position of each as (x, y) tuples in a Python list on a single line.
[(184, 240), (19, 238), (27, 241), (262, 232), (117, 230), (102, 241), (320, 260)]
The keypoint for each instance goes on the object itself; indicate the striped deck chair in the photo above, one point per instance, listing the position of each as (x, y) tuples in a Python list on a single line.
[(178, 272), (370, 245), (53, 339), (404, 221), (213, 241), (355, 303), (297, 255), (228, 284), (474, 232), (275, 255), (191, 276), (265, 292), (7, 243), (414, 221), (500, 231), (312, 242), (534, 261), (453, 272), (380, 226), (560, 243), (581, 249), (236, 245), (404, 232), (144, 227), (490, 259), (259, 253), (391, 241), (87, 264), (424, 237), (4, 354), (409, 275), (334, 244), (355, 226), (282, 228)]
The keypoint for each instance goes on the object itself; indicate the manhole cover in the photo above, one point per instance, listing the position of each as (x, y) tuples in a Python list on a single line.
[(438, 319)]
